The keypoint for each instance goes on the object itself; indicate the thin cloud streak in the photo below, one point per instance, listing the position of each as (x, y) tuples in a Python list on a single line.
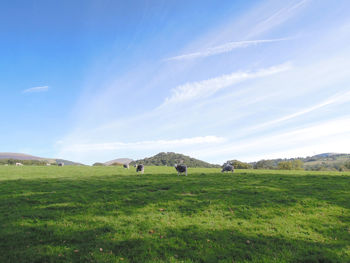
[(337, 99), (314, 135), (224, 48), (37, 89), (250, 112), (278, 18), (205, 88)]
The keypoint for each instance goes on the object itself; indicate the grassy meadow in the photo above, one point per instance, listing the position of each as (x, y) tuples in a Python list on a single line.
[(108, 214)]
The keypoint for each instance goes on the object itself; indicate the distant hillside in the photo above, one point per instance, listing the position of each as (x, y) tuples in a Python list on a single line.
[(67, 162), (9, 157), (323, 161), (331, 161), (22, 156), (119, 161), (322, 155), (170, 159)]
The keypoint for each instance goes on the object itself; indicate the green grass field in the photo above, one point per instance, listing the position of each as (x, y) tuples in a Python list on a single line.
[(108, 214)]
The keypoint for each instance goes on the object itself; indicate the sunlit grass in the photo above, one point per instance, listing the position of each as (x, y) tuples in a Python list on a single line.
[(108, 214)]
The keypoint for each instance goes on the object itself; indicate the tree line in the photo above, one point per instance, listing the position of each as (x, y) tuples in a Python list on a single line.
[(24, 162)]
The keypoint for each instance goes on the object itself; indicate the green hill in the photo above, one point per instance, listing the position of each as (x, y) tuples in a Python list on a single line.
[(26, 159), (328, 161), (324, 161), (170, 159)]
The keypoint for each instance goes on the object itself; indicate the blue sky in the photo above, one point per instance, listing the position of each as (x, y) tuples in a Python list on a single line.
[(96, 80)]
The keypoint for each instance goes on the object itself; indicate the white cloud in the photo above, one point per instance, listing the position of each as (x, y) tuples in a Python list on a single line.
[(205, 88), (36, 89), (227, 47), (278, 104), (86, 147)]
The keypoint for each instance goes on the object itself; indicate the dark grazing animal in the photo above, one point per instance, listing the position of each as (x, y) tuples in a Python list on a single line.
[(181, 168), (228, 168), (126, 165), (140, 168)]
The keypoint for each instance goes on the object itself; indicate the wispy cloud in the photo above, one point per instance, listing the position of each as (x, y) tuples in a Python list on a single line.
[(36, 89), (317, 137), (336, 99), (278, 17), (227, 47), (260, 117), (205, 88), (273, 20), (143, 144)]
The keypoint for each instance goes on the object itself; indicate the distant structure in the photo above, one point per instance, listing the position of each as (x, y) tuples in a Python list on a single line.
[(181, 168), (19, 164), (140, 168), (60, 164), (48, 164)]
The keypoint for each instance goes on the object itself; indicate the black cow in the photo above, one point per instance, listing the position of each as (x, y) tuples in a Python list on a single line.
[(181, 168), (140, 168), (126, 165)]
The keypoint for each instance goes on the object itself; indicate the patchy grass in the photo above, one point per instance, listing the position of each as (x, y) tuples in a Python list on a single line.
[(108, 214)]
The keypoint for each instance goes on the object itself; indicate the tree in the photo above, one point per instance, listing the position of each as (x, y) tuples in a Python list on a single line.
[(347, 165), (297, 165), (285, 166), (240, 165), (265, 164)]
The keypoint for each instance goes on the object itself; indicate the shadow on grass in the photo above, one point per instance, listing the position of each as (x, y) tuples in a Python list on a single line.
[(128, 193), (189, 244), (28, 205)]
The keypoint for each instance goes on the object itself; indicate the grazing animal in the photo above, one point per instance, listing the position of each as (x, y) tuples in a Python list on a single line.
[(126, 165), (181, 168), (140, 168), (228, 168), (19, 164), (60, 164)]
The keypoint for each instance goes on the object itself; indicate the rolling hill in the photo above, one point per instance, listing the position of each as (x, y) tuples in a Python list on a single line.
[(119, 161), (26, 157), (171, 158), (323, 161), (22, 156)]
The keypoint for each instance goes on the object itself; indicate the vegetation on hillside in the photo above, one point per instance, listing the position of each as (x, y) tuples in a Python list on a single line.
[(116, 164), (108, 214), (24, 162), (66, 162), (98, 164), (170, 159), (24, 159), (320, 162), (291, 165), (240, 165)]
